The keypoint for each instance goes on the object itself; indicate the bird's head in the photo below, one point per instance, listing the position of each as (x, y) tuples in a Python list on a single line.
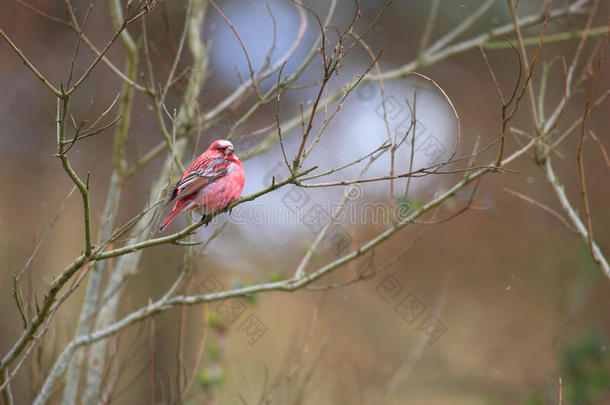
[(223, 147)]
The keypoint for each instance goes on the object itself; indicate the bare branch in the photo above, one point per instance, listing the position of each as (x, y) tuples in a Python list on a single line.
[(30, 66), (579, 156), (542, 207)]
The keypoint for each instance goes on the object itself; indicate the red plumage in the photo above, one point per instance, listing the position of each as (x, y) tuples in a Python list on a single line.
[(213, 181)]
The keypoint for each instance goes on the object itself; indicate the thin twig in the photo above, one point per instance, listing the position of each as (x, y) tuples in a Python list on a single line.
[(579, 155), (30, 66), (601, 147), (28, 262), (543, 207)]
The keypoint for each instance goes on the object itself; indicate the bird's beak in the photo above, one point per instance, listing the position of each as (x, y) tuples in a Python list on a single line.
[(229, 150)]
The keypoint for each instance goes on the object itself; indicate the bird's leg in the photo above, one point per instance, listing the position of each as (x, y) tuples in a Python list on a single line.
[(203, 218)]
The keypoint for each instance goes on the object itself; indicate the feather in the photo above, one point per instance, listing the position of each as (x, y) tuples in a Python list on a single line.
[(213, 181)]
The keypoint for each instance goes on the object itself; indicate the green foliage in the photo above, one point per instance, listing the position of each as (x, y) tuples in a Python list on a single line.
[(252, 299), (213, 349), (239, 283), (210, 378), (585, 369), (404, 208), (533, 398), (216, 322), (236, 283), (305, 246), (415, 204), (585, 262), (275, 276)]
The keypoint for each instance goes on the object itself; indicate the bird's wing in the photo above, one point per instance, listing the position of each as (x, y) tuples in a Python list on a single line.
[(195, 180)]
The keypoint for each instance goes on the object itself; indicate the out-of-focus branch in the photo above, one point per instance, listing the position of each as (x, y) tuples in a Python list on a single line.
[(168, 301), (238, 94), (459, 29), (579, 153), (129, 258), (112, 200), (73, 24), (300, 281), (283, 84), (544, 139), (29, 337), (573, 215), (300, 271), (438, 54), (554, 118), (402, 373), (330, 64), (7, 394), (524, 59), (253, 80), (187, 121), (128, 264), (30, 66), (425, 39), (433, 55), (43, 312), (142, 8), (601, 148), (550, 38), (542, 207), (135, 246), (574, 125)]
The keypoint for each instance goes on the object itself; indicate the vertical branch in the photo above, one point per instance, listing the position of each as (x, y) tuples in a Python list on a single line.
[(188, 109), (425, 40), (573, 215), (579, 155), (393, 148), (300, 271), (413, 129), (127, 265), (7, 395), (112, 200), (524, 61), (62, 118), (153, 359)]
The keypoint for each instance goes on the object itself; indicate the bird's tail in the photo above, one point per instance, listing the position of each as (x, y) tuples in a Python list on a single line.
[(168, 219), (177, 209)]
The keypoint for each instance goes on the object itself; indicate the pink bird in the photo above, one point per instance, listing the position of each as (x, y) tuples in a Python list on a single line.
[(213, 181)]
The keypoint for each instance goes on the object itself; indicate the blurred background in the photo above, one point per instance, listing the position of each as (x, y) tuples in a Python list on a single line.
[(492, 307)]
